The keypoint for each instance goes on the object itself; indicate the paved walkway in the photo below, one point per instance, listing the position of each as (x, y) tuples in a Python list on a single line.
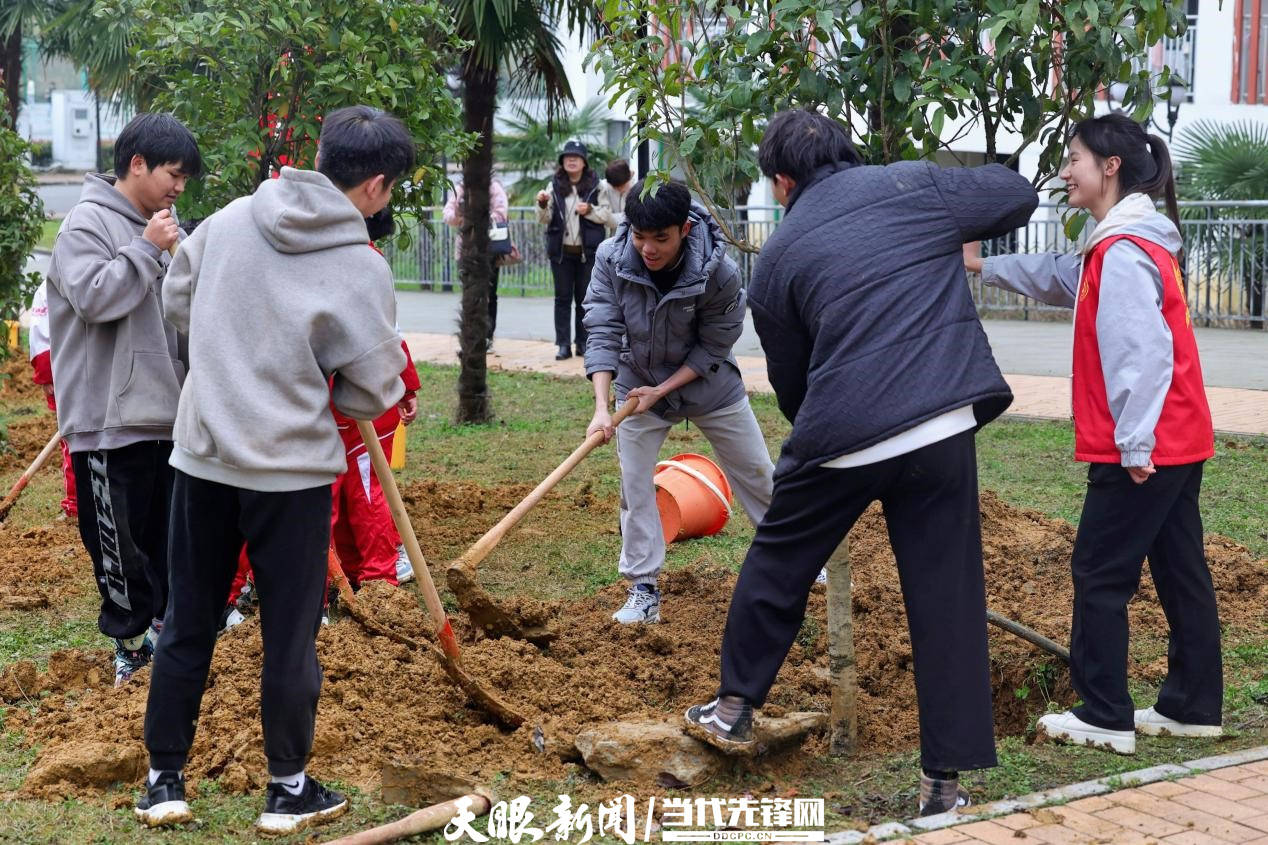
[(1235, 410), (1215, 807)]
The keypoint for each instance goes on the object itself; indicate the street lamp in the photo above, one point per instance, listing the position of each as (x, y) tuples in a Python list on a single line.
[(1175, 96)]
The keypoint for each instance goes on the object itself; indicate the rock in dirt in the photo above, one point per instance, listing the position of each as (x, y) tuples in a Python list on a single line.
[(415, 782), (774, 733), (648, 752), (69, 768)]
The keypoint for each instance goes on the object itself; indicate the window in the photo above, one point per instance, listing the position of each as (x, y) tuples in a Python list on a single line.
[(1250, 52)]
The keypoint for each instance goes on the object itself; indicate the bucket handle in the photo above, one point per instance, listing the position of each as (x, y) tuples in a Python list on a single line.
[(699, 476)]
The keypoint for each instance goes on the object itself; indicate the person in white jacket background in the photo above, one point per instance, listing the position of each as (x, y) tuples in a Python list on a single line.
[(41, 353)]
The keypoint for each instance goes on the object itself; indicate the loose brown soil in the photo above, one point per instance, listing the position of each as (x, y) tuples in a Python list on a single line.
[(383, 700), (15, 378), (26, 435), (48, 562)]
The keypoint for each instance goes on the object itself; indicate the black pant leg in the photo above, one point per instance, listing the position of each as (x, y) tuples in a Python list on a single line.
[(204, 545), (493, 299), (1119, 524), (810, 513), (580, 284), (933, 519), (288, 535), (121, 491), (1193, 692), (158, 527), (564, 271)]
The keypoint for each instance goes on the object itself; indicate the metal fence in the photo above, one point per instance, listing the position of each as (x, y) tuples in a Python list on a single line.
[(1226, 259)]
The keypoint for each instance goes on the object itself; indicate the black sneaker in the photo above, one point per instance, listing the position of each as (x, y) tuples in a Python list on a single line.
[(941, 796), (287, 813), (704, 724), (163, 803), (563, 353)]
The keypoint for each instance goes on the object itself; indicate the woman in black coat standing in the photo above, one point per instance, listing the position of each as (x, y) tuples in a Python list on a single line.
[(571, 240)]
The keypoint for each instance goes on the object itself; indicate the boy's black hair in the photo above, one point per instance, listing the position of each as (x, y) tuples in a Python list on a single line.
[(359, 142), (668, 205), (618, 172), (1145, 164), (799, 142), (160, 139)]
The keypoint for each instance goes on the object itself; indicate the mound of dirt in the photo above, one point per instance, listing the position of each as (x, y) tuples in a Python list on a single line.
[(383, 700), (450, 516), (48, 562), (26, 436), (15, 379), (69, 670)]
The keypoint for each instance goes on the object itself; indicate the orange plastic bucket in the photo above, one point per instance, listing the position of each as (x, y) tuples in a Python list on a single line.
[(693, 497)]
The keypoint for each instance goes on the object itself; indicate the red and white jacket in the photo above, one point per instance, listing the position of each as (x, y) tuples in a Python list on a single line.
[(41, 356)]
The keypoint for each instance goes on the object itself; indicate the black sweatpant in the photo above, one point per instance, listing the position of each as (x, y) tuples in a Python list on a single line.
[(287, 537), (1122, 523), (931, 509), (572, 277), (124, 496)]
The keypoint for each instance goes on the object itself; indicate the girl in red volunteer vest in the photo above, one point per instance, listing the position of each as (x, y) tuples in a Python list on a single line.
[(1142, 423)]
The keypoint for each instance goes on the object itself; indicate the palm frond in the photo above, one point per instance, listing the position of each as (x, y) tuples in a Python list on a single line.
[(1223, 161)]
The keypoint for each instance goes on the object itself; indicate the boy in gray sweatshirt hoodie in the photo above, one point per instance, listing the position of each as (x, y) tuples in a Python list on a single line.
[(278, 292), (118, 371)]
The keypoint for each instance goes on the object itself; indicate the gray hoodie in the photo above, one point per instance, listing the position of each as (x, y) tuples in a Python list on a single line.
[(1135, 342), (277, 292), (117, 366)]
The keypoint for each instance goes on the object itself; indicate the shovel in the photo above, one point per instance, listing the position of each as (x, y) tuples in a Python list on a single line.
[(7, 504), (484, 610), (448, 653)]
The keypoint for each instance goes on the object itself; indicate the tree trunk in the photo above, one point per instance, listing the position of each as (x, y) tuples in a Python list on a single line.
[(11, 73), (479, 100), (843, 673)]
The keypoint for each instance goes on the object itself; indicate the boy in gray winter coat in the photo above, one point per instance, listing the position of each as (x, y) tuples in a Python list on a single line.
[(278, 292), (118, 371), (663, 310)]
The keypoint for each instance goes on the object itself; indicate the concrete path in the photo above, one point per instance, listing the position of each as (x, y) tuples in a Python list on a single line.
[(1230, 357), (1234, 410)]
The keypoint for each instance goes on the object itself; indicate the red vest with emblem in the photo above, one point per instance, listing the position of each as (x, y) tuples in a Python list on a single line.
[(1184, 432)]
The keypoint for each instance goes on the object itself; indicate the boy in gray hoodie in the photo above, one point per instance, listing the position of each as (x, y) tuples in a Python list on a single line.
[(277, 292), (118, 372)]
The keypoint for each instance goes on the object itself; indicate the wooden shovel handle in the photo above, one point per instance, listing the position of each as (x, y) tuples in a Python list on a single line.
[(21, 483), (478, 552), (448, 642)]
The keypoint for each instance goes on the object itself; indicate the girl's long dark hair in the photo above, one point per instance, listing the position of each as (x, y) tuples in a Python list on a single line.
[(1146, 164)]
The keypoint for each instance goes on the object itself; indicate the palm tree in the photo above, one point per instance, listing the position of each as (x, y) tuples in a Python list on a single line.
[(516, 37), (532, 144), (1229, 161), (16, 16)]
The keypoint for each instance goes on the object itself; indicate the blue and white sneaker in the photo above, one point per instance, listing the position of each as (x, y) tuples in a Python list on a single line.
[(404, 570), (642, 606), (127, 662)]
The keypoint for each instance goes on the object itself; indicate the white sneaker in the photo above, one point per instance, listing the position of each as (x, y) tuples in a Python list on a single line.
[(642, 605), (1152, 723), (1069, 728), (404, 570), (822, 577), (232, 617)]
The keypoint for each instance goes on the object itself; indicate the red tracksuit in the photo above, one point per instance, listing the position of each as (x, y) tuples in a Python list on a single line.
[(42, 366), (361, 527)]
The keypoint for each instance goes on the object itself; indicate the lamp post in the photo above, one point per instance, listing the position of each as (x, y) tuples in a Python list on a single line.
[(1175, 96)]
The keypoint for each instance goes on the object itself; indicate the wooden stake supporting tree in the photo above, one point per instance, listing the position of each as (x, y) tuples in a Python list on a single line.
[(843, 672)]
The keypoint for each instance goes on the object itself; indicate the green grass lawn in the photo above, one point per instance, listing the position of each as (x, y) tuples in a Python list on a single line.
[(48, 234), (540, 418)]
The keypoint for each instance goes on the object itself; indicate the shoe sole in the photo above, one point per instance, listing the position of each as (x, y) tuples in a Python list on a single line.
[(280, 824), (1180, 730), (405, 580), (1088, 740), (730, 747), (165, 814), (647, 620)]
